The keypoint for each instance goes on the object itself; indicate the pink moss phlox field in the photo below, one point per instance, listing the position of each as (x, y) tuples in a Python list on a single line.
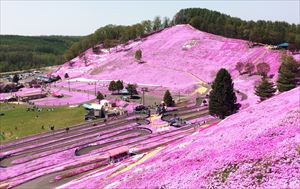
[(258, 147), (176, 58), (71, 98), (62, 153)]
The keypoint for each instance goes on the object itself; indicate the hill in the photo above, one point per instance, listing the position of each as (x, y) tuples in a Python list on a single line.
[(261, 31), (255, 148), (180, 58), (26, 52)]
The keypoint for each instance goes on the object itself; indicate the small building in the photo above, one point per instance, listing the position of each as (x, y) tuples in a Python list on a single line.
[(103, 110), (283, 45), (118, 154), (31, 96), (124, 92), (95, 110)]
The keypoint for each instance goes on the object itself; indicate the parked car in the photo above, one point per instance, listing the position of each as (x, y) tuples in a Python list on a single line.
[(89, 117), (140, 108)]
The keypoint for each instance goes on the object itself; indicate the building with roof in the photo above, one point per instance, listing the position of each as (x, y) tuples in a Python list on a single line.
[(283, 45), (124, 92), (118, 154), (31, 96), (103, 109)]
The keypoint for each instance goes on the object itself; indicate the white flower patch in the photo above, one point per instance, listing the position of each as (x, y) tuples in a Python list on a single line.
[(138, 170), (189, 44), (182, 145), (112, 185)]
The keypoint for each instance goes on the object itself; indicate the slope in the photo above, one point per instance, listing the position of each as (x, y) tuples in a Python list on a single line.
[(258, 147), (178, 58)]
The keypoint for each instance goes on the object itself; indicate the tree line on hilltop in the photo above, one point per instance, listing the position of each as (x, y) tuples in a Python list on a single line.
[(261, 31), (113, 35), (203, 19), (23, 52)]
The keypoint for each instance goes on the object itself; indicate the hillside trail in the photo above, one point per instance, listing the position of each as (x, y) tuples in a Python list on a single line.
[(203, 87), (259, 57)]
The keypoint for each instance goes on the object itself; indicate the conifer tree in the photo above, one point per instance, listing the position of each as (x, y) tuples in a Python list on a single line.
[(157, 23), (99, 96), (222, 99), (16, 78), (265, 89), (289, 72), (168, 99)]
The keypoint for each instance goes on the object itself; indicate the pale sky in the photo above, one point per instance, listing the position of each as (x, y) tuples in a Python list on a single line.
[(84, 17)]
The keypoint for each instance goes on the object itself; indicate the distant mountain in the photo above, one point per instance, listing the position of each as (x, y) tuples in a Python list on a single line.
[(26, 52)]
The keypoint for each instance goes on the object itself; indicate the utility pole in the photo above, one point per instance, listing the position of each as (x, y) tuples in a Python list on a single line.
[(95, 89), (144, 89)]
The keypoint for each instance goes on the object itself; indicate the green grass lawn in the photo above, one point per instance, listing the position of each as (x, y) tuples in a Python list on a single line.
[(17, 122)]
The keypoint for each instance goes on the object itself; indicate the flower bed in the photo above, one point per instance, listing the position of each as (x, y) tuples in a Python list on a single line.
[(74, 98)]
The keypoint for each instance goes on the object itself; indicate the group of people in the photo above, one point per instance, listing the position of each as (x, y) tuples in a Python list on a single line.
[(37, 109), (161, 109)]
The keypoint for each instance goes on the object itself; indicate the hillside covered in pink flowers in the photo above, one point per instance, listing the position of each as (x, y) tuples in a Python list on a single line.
[(177, 58), (258, 147)]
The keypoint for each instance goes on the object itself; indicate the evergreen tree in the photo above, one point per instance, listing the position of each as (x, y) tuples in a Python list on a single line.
[(168, 99), (131, 89), (147, 24), (66, 75), (112, 86), (157, 23), (16, 78), (222, 99), (265, 89), (138, 54), (196, 22), (166, 22), (99, 96), (119, 85), (289, 72)]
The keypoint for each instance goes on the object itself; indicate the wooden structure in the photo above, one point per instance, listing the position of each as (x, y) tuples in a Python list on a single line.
[(118, 154), (31, 96)]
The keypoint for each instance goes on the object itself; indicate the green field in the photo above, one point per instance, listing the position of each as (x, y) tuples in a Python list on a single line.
[(17, 122)]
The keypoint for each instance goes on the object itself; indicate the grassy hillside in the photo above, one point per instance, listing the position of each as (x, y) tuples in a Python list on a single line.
[(26, 52)]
